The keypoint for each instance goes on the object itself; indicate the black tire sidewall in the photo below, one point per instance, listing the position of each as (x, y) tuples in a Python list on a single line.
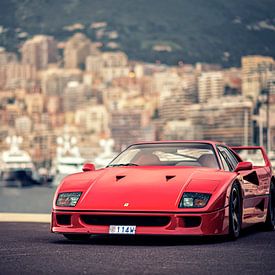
[(270, 221), (232, 233)]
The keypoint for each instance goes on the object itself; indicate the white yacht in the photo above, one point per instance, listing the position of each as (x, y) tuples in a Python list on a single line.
[(107, 154), (17, 168), (68, 159)]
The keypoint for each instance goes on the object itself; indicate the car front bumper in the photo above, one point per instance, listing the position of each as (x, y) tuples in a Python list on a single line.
[(167, 223)]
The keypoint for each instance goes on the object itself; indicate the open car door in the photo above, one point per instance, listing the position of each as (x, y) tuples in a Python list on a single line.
[(256, 182), (255, 154)]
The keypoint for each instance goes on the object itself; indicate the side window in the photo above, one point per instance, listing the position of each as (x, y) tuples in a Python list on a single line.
[(224, 163), (228, 157), (231, 156)]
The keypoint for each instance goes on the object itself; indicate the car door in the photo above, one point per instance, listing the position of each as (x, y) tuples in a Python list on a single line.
[(253, 184), (249, 185)]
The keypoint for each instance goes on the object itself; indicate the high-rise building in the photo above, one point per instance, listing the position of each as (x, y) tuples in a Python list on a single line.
[(5, 59), (166, 81), (128, 127), (271, 86), (232, 81), (55, 80), (93, 119), (20, 75), (210, 85), (74, 96), (174, 106), (39, 51), (94, 64), (2, 77), (227, 119), (108, 65), (256, 71), (77, 48), (176, 89), (271, 90), (115, 59), (181, 130)]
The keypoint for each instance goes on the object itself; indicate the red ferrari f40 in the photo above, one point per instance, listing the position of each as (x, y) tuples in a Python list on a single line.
[(169, 188)]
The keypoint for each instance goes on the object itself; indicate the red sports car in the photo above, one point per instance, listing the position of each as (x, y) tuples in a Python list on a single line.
[(168, 188)]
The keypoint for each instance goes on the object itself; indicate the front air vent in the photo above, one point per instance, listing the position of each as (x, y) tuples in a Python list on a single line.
[(191, 221), (125, 220), (63, 219)]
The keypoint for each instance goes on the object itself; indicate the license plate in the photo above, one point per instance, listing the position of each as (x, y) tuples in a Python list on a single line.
[(122, 229)]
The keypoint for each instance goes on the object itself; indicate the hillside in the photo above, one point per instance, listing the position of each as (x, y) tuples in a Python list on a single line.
[(215, 31)]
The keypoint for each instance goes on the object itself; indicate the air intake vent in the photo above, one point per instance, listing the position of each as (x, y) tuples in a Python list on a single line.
[(260, 205), (169, 177), (192, 221), (63, 219), (125, 220), (119, 178), (252, 178)]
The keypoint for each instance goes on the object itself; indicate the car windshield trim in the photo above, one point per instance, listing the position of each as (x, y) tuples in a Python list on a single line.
[(123, 164), (167, 152)]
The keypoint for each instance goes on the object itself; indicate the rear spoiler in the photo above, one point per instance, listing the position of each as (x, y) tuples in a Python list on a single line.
[(247, 148)]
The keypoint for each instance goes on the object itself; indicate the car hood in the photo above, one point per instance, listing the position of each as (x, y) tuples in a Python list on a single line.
[(141, 188)]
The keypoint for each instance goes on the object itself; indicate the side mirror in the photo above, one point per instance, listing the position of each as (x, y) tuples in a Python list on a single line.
[(88, 167), (245, 165)]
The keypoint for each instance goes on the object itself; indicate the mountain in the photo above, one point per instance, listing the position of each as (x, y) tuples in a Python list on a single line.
[(214, 31)]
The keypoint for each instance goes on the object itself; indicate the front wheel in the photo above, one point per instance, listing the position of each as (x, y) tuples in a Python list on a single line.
[(269, 224), (77, 237), (234, 213)]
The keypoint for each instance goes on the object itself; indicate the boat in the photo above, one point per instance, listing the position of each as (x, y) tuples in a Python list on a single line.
[(17, 166), (68, 159), (107, 154)]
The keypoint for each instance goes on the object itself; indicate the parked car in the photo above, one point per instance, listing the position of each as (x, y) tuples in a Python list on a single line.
[(167, 188)]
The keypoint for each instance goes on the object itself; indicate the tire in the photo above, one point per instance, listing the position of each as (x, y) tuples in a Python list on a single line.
[(77, 237), (269, 224), (235, 219)]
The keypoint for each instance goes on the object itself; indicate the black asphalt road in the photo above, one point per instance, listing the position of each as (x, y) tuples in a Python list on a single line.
[(28, 248)]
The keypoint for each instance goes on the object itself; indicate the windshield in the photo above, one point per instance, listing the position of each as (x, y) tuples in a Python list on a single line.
[(168, 154)]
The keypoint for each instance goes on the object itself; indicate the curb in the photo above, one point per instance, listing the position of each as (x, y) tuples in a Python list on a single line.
[(25, 217)]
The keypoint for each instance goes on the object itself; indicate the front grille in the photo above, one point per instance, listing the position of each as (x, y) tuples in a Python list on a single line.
[(63, 219), (125, 220)]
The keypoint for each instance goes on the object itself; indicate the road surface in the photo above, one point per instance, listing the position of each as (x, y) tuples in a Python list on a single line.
[(30, 248)]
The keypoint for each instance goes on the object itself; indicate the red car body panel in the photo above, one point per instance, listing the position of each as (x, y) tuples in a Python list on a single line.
[(155, 192)]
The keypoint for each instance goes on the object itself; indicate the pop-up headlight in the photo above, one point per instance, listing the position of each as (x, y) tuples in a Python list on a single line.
[(69, 199), (194, 200)]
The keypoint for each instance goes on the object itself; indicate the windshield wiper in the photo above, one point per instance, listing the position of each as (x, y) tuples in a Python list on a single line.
[(123, 164)]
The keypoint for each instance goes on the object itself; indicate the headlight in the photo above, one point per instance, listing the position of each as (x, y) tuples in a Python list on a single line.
[(68, 199), (194, 200)]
